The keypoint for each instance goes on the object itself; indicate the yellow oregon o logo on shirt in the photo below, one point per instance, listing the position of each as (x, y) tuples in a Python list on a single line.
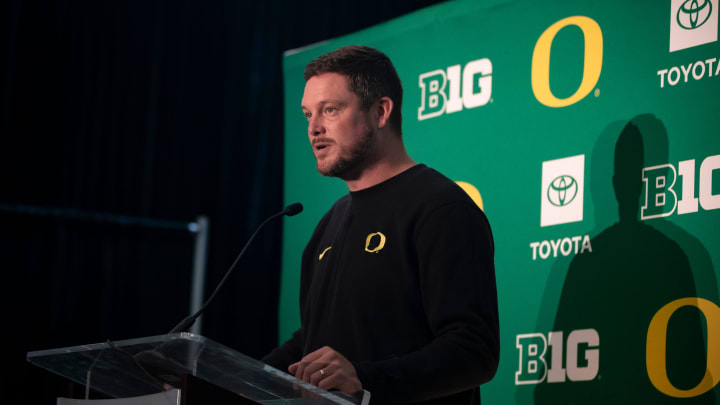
[(540, 73), (380, 245), (655, 350)]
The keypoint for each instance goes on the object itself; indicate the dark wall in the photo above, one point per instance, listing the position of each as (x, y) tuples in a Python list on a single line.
[(159, 109)]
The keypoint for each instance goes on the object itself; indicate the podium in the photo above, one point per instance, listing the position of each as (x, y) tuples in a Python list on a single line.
[(204, 370)]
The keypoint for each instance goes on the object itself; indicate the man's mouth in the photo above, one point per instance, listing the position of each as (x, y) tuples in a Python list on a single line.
[(320, 145)]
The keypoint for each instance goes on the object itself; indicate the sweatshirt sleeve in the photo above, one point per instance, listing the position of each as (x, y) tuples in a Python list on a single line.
[(288, 353), (457, 280), (292, 351)]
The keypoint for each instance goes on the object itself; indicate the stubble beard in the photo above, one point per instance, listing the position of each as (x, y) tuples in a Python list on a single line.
[(348, 167)]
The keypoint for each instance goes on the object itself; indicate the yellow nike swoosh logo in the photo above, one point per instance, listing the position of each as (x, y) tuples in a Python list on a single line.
[(323, 253)]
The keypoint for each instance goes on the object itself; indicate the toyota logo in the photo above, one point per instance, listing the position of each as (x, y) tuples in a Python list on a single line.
[(562, 191), (693, 13)]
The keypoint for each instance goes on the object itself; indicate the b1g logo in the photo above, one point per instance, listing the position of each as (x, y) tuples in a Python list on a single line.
[(440, 91), (562, 190), (540, 72), (533, 367), (692, 23), (661, 199)]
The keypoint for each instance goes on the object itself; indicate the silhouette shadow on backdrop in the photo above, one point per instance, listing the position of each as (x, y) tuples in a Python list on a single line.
[(635, 268)]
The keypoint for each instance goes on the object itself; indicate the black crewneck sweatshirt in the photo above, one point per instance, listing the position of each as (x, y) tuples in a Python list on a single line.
[(399, 278)]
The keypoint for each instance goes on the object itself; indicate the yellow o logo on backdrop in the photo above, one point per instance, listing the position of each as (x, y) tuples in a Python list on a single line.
[(540, 74), (472, 192), (656, 347)]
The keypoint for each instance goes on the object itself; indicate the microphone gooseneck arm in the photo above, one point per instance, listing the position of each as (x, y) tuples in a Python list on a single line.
[(290, 210)]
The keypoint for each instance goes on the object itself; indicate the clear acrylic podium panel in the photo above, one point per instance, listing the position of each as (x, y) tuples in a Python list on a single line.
[(114, 371)]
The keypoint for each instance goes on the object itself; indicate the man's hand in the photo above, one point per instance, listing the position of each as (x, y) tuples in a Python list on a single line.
[(328, 370)]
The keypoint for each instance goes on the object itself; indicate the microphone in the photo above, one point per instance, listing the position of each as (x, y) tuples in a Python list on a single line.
[(290, 210), (153, 362), (293, 209)]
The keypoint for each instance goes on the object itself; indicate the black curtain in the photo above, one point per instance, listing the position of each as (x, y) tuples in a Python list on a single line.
[(155, 109)]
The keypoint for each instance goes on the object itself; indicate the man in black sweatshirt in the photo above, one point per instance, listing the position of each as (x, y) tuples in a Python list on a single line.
[(398, 292)]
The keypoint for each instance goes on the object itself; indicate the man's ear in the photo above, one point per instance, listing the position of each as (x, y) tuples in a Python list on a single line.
[(384, 108)]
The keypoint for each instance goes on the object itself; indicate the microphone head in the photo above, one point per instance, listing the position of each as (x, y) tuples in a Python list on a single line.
[(293, 209)]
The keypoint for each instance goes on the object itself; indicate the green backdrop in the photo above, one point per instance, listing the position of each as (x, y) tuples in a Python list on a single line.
[(590, 129)]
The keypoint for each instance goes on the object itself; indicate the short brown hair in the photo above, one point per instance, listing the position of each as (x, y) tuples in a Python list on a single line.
[(370, 73)]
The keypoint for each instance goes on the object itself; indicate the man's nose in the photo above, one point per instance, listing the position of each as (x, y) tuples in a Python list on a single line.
[(315, 126)]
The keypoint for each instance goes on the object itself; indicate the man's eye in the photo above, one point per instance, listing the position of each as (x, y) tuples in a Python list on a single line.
[(330, 110), (307, 115)]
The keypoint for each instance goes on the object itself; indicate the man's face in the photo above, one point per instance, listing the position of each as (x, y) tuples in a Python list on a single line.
[(340, 131)]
